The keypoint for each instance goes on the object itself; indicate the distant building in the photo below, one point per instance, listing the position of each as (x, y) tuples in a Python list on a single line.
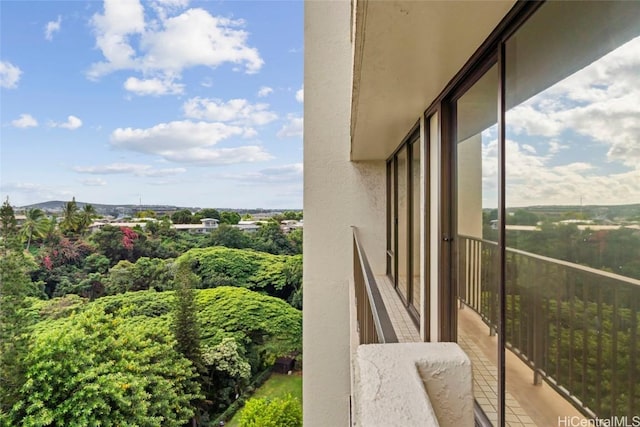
[(288, 225), (206, 225), (248, 226)]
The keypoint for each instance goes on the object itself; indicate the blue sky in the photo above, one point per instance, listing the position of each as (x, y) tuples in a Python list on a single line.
[(167, 101)]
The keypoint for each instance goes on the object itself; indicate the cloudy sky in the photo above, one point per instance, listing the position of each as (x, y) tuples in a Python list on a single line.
[(577, 141), (166, 101)]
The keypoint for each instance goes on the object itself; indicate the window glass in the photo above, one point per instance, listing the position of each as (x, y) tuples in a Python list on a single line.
[(391, 215), (573, 219), (477, 202), (402, 249), (416, 207)]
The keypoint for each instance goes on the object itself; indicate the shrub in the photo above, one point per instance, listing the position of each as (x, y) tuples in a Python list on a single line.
[(277, 412)]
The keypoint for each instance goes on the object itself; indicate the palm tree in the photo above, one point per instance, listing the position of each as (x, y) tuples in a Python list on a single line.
[(50, 229), (70, 218), (34, 225), (86, 216)]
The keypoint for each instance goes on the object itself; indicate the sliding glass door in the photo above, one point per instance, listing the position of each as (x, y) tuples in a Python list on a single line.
[(545, 195)]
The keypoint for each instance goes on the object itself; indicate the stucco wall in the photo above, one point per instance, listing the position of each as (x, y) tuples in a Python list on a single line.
[(337, 195), (413, 384)]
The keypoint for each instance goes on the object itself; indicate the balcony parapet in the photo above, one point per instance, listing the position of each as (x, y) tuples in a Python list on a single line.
[(412, 384)]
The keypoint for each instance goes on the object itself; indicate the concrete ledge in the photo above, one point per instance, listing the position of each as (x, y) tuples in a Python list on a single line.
[(412, 384)]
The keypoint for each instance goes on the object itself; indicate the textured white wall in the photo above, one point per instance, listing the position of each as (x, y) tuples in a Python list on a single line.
[(413, 384), (337, 195)]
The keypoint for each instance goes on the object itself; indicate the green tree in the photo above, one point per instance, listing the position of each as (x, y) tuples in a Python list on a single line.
[(183, 216), (145, 273), (228, 371), (86, 217), (95, 369), (34, 225), (146, 214), (270, 238), (70, 217), (14, 287), (8, 221), (185, 323), (209, 213), (259, 271), (228, 217), (295, 236), (50, 230), (277, 412), (230, 237)]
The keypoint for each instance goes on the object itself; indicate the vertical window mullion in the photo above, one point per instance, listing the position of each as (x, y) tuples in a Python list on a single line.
[(409, 216), (501, 237)]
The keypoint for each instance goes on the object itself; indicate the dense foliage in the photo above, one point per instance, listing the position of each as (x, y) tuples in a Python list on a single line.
[(119, 352), (158, 351), (275, 275), (96, 369), (276, 412)]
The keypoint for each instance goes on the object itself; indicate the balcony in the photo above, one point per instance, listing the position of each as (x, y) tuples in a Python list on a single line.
[(572, 331), (571, 334), (396, 379)]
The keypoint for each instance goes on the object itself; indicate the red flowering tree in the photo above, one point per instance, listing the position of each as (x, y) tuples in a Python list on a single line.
[(128, 238)]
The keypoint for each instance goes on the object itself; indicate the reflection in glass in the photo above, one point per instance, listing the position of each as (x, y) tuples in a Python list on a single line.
[(391, 268), (573, 221), (477, 191), (402, 188), (416, 204)]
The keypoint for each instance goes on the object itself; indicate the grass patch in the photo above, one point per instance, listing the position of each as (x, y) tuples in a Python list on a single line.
[(278, 385)]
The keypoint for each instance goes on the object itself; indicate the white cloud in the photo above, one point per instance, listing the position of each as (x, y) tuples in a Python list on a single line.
[(599, 102), (9, 75), (52, 27), (153, 86), (265, 91), (72, 123), (249, 133), (120, 20), (220, 156), (278, 174), (300, 94), (234, 111), (197, 38), (534, 179), (188, 142), (128, 168), (28, 192), (293, 127), (25, 121), (164, 7), (94, 182), (168, 44)]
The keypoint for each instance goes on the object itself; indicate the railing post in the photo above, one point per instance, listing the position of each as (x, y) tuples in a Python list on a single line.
[(538, 336)]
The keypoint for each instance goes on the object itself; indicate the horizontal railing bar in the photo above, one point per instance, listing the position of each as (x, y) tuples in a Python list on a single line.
[(381, 319), (567, 264)]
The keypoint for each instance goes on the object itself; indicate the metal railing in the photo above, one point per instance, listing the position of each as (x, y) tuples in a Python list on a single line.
[(576, 327), (374, 324)]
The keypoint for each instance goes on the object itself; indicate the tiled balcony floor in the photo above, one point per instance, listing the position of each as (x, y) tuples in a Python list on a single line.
[(405, 329), (526, 404)]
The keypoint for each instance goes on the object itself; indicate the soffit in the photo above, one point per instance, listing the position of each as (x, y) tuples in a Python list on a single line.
[(405, 54)]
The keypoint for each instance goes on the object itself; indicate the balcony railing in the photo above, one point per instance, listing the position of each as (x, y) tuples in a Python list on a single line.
[(374, 324), (576, 327)]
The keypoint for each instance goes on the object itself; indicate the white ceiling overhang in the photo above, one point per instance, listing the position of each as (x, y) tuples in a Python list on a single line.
[(405, 52)]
